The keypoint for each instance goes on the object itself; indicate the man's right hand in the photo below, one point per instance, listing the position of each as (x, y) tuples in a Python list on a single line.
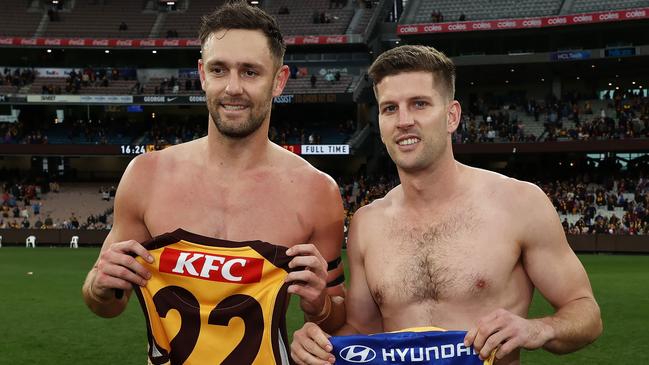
[(117, 268), (311, 346)]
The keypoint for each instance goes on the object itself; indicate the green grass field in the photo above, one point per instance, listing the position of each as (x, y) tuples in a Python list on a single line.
[(44, 321)]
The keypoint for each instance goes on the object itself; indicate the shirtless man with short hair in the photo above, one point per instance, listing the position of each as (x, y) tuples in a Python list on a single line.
[(453, 246), (234, 184)]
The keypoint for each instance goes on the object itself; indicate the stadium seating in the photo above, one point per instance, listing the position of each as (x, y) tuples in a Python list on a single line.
[(102, 19), (302, 85), (79, 199), (115, 87), (300, 20), (587, 6), (420, 11), (187, 22), (16, 19)]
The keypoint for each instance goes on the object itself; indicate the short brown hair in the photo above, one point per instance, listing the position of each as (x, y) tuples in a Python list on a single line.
[(412, 58), (238, 14)]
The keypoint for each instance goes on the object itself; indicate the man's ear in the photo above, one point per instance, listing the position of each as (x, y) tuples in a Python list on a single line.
[(454, 114), (201, 73), (281, 78)]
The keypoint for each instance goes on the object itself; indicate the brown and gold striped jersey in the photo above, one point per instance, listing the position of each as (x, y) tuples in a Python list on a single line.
[(212, 301)]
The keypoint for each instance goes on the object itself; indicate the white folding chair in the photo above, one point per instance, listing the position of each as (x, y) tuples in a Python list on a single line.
[(30, 241), (74, 242)]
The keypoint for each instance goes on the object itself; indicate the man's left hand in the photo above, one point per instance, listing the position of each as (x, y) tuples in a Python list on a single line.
[(505, 332), (309, 284)]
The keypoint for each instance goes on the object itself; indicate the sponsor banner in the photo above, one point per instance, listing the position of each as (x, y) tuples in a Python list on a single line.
[(100, 42), (539, 22), (325, 149), (6, 99), (569, 55), (316, 39), (106, 99), (86, 99), (169, 99), (620, 52), (191, 73), (53, 98), (152, 43), (53, 72), (314, 98), (283, 99)]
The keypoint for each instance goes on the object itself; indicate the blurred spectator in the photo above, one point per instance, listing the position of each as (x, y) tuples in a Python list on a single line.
[(329, 77), (123, 26), (436, 16)]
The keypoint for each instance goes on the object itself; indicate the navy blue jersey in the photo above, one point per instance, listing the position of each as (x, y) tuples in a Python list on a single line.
[(421, 346)]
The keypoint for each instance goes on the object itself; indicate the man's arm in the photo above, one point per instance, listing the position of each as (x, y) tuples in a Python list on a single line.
[(115, 267), (311, 344), (558, 275), (322, 302)]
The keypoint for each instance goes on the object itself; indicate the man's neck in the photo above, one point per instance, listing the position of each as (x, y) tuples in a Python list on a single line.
[(237, 154), (436, 185)]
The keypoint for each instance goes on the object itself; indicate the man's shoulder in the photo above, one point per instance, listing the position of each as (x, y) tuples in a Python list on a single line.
[(508, 190), (170, 155), (496, 181), (379, 208), (300, 169)]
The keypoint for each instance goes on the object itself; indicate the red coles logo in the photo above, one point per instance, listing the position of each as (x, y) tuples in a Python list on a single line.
[(228, 269)]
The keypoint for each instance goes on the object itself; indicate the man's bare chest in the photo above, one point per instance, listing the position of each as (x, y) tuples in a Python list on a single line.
[(448, 261), (268, 214)]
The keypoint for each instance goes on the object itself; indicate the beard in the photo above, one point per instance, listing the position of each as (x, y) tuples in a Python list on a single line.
[(236, 129)]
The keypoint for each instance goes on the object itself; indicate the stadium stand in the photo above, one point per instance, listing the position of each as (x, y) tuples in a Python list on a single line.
[(185, 22), (91, 18), (18, 19), (303, 85), (71, 206), (587, 208), (58, 85), (587, 6), (311, 17), (420, 11)]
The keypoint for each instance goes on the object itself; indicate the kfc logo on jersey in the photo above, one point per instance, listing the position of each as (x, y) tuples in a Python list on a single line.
[(200, 265)]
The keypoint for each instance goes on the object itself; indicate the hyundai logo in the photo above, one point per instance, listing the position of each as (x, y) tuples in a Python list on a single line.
[(357, 354)]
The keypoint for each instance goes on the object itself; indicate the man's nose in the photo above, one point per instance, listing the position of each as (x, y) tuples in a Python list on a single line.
[(234, 85), (405, 118)]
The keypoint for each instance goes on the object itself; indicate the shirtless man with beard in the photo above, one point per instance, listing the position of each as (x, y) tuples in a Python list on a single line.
[(234, 184)]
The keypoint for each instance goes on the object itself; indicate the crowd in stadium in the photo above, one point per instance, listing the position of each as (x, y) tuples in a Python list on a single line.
[(24, 205), (569, 118), (619, 206), (17, 77)]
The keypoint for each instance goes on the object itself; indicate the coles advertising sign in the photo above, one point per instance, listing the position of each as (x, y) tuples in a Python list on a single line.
[(540, 22)]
